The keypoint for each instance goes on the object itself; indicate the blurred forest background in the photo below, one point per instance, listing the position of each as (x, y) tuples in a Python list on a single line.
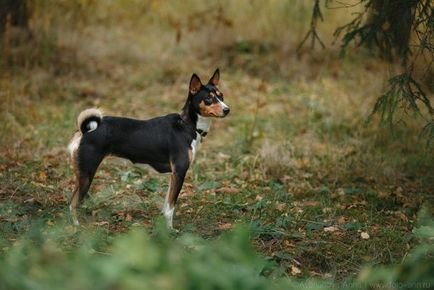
[(321, 176)]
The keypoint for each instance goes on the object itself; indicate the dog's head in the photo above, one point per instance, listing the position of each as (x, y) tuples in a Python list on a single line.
[(207, 100)]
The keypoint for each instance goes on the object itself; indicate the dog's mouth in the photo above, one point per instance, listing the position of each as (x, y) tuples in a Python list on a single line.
[(224, 112), (221, 114)]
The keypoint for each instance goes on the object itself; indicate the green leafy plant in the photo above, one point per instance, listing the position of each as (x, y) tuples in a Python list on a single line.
[(134, 260)]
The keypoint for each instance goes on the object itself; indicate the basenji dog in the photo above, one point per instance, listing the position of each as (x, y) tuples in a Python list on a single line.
[(167, 143)]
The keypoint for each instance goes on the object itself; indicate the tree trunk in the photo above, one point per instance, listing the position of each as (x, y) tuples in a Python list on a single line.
[(391, 22), (13, 13)]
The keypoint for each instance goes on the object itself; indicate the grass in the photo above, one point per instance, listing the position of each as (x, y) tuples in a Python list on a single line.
[(293, 161)]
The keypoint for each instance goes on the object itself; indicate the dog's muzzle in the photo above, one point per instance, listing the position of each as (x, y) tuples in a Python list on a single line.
[(226, 111)]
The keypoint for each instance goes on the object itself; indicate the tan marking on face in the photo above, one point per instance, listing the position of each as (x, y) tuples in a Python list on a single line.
[(218, 93), (212, 94), (213, 110)]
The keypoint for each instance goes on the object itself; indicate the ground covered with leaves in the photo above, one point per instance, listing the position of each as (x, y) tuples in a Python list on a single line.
[(318, 194)]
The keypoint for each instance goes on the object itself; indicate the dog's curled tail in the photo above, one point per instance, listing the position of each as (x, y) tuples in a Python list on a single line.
[(89, 120)]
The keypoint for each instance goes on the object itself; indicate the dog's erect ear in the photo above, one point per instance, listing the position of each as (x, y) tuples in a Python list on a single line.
[(195, 84), (214, 80)]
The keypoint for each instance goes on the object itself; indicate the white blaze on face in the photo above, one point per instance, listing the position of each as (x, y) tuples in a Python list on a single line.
[(224, 106)]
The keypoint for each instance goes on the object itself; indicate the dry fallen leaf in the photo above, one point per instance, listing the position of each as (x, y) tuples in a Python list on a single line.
[(341, 220), (364, 235), (331, 229), (383, 194), (309, 203), (225, 226), (295, 270), (287, 244), (223, 156), (101, 223), (30, 200), (280, 206), (327, 210), (229, 190), (43, 175), (402, 216)]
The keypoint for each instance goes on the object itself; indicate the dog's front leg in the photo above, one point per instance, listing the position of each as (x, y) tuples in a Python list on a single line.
[(179, 169), (168, 207)]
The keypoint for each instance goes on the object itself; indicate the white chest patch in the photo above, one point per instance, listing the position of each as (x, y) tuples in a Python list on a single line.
[(202, 124)]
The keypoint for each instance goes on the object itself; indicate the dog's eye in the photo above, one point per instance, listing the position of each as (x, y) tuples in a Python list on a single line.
[(208, 100)]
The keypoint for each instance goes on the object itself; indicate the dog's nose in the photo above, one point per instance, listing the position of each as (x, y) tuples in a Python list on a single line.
[(226, 111)]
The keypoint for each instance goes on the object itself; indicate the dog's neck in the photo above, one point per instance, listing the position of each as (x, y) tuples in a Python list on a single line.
[(190, 116)]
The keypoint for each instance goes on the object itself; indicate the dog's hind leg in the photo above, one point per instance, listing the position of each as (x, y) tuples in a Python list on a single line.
[(80, 191), (87, 162), (179, 169), (73, 204)]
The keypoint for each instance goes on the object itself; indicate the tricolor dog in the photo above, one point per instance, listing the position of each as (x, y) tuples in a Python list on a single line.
[(166, 143)]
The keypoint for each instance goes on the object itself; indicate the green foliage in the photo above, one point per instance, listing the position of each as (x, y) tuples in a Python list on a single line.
[(63, 258), (428, 132), (134, 260), (403, 92)]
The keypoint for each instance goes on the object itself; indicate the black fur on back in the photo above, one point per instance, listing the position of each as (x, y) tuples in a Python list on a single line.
[(157, 142)]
